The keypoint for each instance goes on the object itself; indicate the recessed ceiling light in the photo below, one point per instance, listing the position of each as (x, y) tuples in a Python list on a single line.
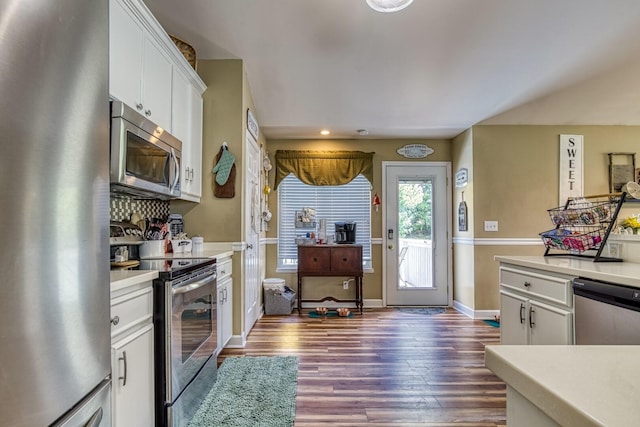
[(324, 132), (388, 5), (362, 132)]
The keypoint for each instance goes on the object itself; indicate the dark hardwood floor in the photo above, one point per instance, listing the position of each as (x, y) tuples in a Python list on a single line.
[(386, 368)]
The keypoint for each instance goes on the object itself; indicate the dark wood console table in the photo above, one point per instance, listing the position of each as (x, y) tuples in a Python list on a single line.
[(330, 260)]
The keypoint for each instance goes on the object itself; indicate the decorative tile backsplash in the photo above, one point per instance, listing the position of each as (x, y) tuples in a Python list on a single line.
[(122, 206)]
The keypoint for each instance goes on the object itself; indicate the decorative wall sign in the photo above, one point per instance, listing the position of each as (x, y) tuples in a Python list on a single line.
[(462, 178), (415, 151), (462, 216), (252, 125), (571, 167)]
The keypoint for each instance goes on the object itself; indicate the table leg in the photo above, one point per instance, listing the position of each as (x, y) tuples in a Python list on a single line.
[(299, 294)]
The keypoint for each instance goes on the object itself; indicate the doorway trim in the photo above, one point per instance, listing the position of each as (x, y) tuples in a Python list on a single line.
[(449, 215)]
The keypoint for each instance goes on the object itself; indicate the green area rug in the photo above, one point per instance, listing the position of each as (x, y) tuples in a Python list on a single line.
[(492, 323), (251, 392), (422, 310)]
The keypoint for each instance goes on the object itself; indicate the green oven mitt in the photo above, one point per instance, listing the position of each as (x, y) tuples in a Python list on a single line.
[(223, 168)]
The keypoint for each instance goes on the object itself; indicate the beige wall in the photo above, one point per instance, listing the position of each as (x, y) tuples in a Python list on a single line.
[(463, 254), (516, 181), (385, 150), (225, 105)]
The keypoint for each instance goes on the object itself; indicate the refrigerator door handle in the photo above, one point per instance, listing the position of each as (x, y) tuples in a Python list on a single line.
[(95, 419), (124, 377)]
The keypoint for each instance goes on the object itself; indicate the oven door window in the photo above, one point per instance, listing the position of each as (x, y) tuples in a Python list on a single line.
[(193, 333), (147, 161), (197, 325)]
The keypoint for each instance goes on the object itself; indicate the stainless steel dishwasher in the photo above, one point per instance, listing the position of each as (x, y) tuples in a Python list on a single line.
[(606, 313)]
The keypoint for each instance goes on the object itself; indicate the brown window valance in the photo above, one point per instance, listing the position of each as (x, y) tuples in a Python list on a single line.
[(323, 167)]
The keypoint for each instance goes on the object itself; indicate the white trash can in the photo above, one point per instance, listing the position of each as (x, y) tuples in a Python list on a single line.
[(278, 299)]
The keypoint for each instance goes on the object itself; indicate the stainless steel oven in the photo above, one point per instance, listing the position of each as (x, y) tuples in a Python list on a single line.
[(185, 321)]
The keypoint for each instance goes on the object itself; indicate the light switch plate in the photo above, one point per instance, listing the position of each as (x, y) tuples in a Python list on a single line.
[(491, 226)]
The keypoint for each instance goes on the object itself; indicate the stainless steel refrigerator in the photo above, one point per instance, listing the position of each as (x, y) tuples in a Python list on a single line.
[(54, 213)]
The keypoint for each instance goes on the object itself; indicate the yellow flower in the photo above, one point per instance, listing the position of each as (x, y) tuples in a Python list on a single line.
[(631, 222)]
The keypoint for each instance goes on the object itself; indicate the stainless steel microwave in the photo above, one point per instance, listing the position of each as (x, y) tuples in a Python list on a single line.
[(145, 158)]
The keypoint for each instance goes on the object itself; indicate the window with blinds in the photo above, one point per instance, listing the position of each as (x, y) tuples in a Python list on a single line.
[(349, 202)]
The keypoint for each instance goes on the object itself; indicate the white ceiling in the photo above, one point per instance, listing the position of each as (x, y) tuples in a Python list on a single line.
[(430, 71)]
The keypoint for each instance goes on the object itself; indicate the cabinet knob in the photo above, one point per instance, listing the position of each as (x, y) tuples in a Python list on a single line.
[(139, 107), (115, 320), (527, 284), (147, 113), (315, 259), (344, 260)]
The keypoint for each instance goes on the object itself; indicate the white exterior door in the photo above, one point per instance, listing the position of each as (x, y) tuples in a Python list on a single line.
[(417, 230), (251, 231)]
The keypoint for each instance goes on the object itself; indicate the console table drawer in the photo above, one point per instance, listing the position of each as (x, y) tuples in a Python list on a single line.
[(346, 260)]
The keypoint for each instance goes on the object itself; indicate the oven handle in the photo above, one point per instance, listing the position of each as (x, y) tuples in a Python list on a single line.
[(193, 286)]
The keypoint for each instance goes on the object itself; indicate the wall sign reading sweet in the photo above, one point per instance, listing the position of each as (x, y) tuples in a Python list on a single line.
[(571, 167)]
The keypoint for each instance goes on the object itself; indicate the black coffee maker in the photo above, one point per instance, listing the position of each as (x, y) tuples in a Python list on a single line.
[(345, 232)]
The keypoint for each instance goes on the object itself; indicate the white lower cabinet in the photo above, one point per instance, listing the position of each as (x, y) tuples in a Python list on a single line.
[(132, 361), (225, 302), (536, 307)]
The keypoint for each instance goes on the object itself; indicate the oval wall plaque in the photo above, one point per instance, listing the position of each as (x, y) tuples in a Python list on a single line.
[(415, 151)]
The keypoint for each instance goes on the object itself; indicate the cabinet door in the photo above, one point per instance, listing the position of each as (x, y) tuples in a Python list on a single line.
[(156, 84), (347, 260), (132, 361), (125, 55), (513, 319), (227, 314), (549, 325), (195, 140), (313, 259), (180, 120)]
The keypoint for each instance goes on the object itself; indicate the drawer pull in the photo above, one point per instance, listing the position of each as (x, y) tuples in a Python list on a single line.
[(115, 320), (344, 259), (531, 322), (124, 378), (315, 259), (527, 284), (521, 313)]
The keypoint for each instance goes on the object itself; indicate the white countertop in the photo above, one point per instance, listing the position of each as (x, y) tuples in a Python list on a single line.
[(574, 385), (624, 273)]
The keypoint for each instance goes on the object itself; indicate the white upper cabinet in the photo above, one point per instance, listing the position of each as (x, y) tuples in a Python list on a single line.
[(187, 126), (148, 73), (139, 69)]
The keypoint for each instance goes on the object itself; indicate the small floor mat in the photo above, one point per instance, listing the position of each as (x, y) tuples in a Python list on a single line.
[(330, 313), (422, 310), (492, 323)]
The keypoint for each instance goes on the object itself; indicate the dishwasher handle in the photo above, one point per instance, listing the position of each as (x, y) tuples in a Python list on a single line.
[(608, 293)]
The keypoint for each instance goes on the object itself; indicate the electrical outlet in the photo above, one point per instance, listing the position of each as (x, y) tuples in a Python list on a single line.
[(491, 226), (345, 284)]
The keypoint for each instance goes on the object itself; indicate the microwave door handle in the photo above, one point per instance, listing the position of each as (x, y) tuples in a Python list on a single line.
[(193, 286), (176, 169)]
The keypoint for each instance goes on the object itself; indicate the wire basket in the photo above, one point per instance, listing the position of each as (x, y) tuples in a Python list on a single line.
[(579, 238), (582, 213)]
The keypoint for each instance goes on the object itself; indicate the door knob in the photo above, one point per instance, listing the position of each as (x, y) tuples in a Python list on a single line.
[(390, 247)]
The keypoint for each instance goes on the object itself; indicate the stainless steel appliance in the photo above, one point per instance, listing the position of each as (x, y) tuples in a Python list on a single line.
[(185, 321), (54, 163), (606, 313), (345, 232), (145, 158)]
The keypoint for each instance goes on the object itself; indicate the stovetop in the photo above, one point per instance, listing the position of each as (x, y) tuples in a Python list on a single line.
[(170, 268)]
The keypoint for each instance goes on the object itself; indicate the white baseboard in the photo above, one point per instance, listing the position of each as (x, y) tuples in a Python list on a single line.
[(475, 314)]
